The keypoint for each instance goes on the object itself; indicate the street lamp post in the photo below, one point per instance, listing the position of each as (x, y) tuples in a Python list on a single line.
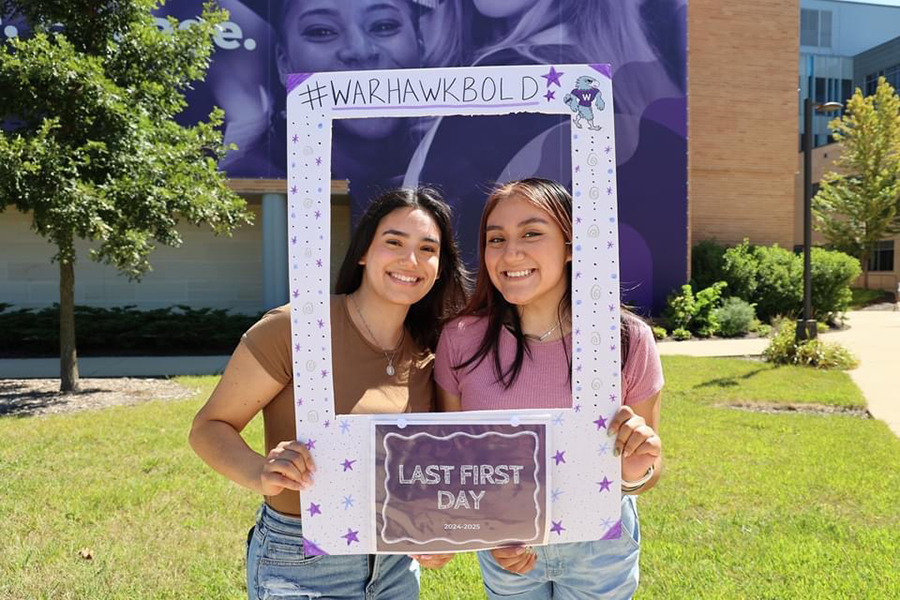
[(806, 327)]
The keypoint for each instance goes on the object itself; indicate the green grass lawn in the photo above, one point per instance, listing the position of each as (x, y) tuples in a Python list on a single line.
[(752, 505)]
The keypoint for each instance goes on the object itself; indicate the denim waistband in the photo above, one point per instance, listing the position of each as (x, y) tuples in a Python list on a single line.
[(276, 521)]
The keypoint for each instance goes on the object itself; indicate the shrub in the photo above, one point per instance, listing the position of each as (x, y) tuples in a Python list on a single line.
[(832, 274), (704, 323), (762, 329), (736, 317), (681, 334), (695, 313), (783, 349), (779, 287), (659, 333), (740, 270), (706, 264), (179, 330)]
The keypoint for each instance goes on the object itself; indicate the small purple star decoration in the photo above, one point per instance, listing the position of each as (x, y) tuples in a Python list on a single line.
[(550, 95), (577, 168), (310, 444), (318, 160), (609, 191), (553, 76), (600, 422), (611, 307), (345, 426), (578, 370), (555, 494), (557, 527), (327, 424), (294, 240), (612, 347), (321, 323), (347, 464), (296, 293), (314, 509), (612, 397), (299, 401), (318, 262), (578, 275), (297, 347), (604, 485), (577, 408), (324, 373), (350, 536), (318, 214), (296, 138), (348, 502), (293, 190), (608, 149), (560, 456)]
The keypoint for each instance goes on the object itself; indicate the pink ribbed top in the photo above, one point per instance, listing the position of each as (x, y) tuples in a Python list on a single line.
[(542, 382)]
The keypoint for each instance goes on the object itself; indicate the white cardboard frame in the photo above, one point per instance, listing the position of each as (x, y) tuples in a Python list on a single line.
[(585, 478)]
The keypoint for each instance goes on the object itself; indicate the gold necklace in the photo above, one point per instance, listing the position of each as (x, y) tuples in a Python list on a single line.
[(390, 357)]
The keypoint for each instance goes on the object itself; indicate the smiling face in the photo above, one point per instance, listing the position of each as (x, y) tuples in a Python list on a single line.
[(502, 9), (402, 261), (345, 35), (525, 254)]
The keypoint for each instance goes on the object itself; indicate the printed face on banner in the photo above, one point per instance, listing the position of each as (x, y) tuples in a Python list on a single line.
[(466, 486), (457, 481)]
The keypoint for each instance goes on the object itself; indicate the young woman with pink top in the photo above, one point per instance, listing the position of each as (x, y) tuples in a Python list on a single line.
[(511, 348)]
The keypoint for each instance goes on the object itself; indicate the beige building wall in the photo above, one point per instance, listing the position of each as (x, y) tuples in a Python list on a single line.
[(206, 271), (742, 119)]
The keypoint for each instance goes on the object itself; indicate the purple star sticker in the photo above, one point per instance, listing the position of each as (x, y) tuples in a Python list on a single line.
[(348, 502), (293, 189), (296, 138), (310, 444), (294, 240), (347, 464), (550, 95), (578, 220), (557, 527), (297, 347), (577, 408), (296, 293), (321, 323), (612, 347), (327, 424), (324, 373), (560, 456), (555, 494), (609, 245), (608, 149), (612, 397), (350, 536), (318, 262), (578, 275), (553, 76), (345, 426), (318, 160), (604, 485), (578, 369), (314, 509), (318, 214), (577, 168), (601, 423), (609, 191), (611, 307), (299, 401)]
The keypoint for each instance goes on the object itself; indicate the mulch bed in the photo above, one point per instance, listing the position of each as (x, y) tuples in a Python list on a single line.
[(31, 397)]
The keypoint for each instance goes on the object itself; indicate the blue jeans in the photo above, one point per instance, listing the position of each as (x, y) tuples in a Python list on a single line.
[(577, 571), (277, 568)]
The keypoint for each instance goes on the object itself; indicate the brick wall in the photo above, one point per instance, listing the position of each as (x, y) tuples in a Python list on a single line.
[(742, 119)]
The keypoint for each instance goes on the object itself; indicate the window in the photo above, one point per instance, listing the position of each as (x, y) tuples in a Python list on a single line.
[(892, 74), (882, 257), (815, 28)]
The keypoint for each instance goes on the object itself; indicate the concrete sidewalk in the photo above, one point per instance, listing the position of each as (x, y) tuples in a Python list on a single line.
[(874, 337)]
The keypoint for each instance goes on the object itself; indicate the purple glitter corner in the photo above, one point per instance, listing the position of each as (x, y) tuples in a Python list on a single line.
[(603, 68), (295, 79)]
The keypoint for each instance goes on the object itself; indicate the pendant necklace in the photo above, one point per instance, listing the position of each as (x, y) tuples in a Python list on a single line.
[(541, 338), (390, 357)]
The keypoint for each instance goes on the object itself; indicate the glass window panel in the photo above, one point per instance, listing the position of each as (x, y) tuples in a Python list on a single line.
[(825, 28), (809, 27)]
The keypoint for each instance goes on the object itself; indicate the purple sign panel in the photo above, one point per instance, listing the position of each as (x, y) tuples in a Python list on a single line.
[(450, 488)]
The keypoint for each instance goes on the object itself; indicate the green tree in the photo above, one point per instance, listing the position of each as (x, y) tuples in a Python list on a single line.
[(89, 145), (856, 210)]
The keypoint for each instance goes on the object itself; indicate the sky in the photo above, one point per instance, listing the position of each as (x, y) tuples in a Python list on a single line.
[(881, 2)]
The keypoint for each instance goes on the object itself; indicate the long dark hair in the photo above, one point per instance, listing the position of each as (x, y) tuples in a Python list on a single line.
[(447, 296), (487, 301)]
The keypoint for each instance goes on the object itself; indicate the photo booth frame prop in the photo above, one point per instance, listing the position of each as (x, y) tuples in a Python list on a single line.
[(584, 478)]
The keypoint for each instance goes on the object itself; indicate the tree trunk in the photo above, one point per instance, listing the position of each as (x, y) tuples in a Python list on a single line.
[(865, 267), (68, 358)]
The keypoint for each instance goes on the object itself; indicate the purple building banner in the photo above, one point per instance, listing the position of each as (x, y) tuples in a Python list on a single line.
[(449, 487), (582, 473)]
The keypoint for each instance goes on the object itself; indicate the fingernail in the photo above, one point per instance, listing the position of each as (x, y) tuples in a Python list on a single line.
[(617, 452), (611, 432)]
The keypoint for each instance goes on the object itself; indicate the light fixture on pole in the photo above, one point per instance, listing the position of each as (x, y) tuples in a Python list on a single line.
[(806, 327)]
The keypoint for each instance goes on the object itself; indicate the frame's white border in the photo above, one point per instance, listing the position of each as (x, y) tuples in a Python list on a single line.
[(337, 510)]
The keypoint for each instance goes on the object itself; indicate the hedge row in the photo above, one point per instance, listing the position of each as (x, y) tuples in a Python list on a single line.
[(125, 330)]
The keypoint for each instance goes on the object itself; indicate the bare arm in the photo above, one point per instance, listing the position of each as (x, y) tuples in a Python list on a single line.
[(447, 402), (245, 389)]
